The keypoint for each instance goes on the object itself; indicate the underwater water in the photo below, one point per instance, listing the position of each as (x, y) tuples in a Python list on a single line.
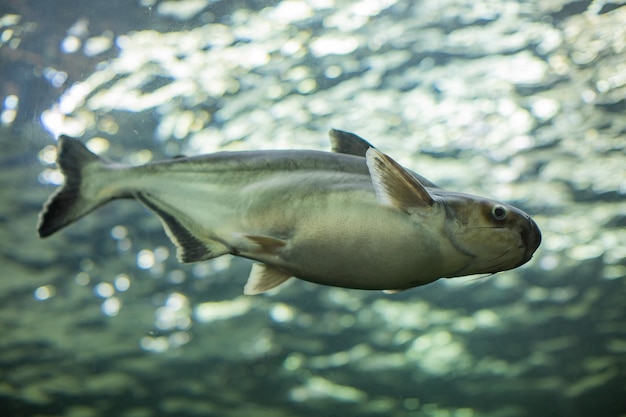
[(522, 101)]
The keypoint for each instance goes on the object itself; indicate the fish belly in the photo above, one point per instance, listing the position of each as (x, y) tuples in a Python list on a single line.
[(337, 233)]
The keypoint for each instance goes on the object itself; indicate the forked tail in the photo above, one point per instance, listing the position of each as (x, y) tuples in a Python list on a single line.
[(68, 203)]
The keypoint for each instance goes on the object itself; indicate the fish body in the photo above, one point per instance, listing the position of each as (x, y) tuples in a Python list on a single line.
[(351, 218)]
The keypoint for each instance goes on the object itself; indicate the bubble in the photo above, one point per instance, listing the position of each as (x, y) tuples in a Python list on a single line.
[(179, 338), (124, 245), (70, 44), (165, 318), (98, 145), (177, 276), (281, 313), (111, 306), (8, 116), (119, 232), (161, 254), (11, 101), (145, 259), (104, 290), (50, 176), (140, 157), (154, 344), (48, 155), (55, 77), (83, 279), (174, 314), (97, 45), (122, 282), (6, 35), (108, 125), (45, 292), (177, 301), (333, 71)]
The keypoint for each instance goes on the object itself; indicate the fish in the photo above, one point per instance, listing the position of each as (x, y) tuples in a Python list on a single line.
[(350, 218)]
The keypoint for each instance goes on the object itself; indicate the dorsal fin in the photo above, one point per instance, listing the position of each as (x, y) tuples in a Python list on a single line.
[(348, 143), (351, 144), (394, 185)]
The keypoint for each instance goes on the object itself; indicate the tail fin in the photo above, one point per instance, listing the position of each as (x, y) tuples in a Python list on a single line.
[(67, 204)]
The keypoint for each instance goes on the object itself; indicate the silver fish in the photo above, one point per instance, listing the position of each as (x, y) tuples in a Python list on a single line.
[(351, 218)]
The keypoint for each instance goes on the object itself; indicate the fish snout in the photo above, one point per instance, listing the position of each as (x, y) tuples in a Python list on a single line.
[(531, 237)]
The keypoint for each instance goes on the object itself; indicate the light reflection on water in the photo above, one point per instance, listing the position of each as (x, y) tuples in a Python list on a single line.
[(262, 89)]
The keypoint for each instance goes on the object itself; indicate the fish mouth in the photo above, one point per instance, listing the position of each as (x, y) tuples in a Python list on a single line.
[(531, 239), (503, 265), (531, 236)]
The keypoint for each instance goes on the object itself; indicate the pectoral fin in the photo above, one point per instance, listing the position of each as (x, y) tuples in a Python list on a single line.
[(263, 278), (268, 243), (257, 244), (394, 185)]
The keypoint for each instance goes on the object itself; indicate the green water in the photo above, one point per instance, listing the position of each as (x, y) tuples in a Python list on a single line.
[(519, 101)]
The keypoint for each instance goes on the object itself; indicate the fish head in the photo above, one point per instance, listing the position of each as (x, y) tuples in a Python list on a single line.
[(494, 235)]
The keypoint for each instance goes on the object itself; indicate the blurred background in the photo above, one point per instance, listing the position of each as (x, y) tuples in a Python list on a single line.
[(522, 101)]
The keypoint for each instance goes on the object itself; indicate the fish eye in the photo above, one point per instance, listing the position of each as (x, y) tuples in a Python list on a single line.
[(499, 212)]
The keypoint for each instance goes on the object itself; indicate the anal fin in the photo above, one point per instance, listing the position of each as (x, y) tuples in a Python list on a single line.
[(263, 278), (189, 248)]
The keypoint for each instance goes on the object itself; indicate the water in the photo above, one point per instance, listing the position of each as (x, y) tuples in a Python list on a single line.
[(519, 101)]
